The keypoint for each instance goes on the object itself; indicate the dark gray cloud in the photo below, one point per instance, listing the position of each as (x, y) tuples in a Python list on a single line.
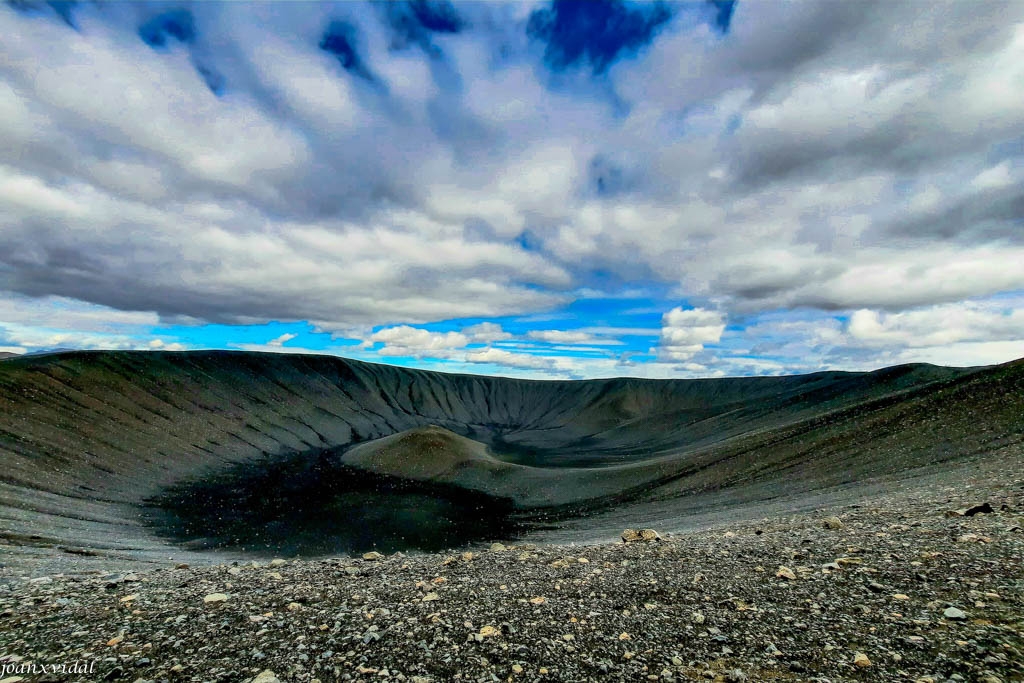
[(991, 214)]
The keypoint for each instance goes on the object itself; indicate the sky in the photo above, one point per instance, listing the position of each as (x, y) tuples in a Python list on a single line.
[(545, 190)]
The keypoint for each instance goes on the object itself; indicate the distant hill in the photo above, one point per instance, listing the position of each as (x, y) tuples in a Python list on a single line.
[(5, 354)]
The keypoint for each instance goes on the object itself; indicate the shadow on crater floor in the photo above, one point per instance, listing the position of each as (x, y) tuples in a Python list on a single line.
[(314, 506)]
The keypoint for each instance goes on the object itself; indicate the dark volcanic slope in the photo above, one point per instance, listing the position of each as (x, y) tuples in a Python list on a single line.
[(86, 437)]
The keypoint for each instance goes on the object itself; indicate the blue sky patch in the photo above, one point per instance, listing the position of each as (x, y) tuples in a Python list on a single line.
[(595, 32), (176, 24), (339, 39), (723, 13), (415, 22)]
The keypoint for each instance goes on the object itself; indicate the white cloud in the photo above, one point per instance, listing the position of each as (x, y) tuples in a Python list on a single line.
[(492, 356), (268, 348), (605, 330), (42, 338), (966, 354), (404, 340), (66, 313), (684, 332), (937, 326), (59, 322), (282, 340), (562, 336), (161, 345), (485, 333), (162, 106), (994, 178)]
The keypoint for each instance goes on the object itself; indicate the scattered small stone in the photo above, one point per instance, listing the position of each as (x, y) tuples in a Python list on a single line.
[(498, 547), (982, 509), (606, 619), (372, 556), (214, 598)]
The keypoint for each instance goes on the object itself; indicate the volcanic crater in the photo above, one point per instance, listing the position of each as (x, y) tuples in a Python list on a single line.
[(149, 457)]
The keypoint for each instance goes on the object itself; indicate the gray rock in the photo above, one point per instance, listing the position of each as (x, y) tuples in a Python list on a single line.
[(640, 536), (833, 523)]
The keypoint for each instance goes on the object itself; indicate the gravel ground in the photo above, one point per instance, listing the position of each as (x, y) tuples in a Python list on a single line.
[(912, 586)]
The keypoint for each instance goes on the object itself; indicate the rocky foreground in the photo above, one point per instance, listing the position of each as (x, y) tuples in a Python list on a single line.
[(925, 585)]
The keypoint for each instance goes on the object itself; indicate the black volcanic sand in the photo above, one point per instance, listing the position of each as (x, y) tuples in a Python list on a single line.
[(924, 583), (309, 506)]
